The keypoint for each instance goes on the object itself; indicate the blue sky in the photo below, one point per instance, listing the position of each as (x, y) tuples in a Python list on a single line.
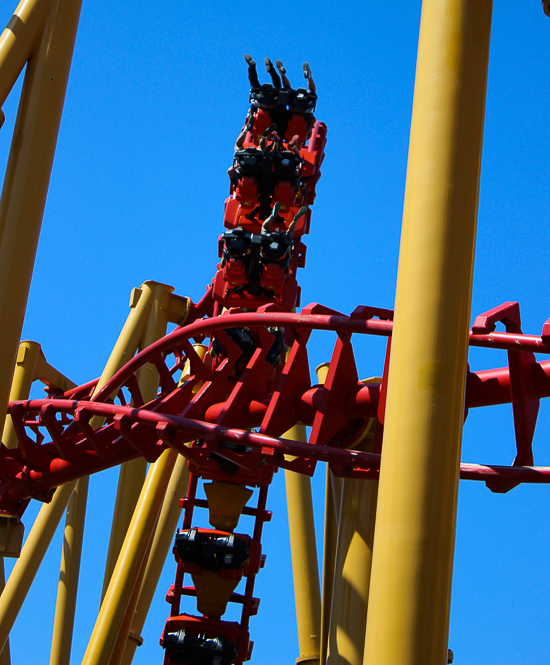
[(156, 98)]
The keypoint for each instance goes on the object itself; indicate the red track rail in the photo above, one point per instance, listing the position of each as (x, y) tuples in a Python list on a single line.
[(36, 467)]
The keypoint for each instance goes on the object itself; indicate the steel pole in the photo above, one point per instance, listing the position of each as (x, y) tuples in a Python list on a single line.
[(23, 377), (132, 474), (69, 571), (305, 568), (329, 559), (126, 345), (412, 565), (18, 40), (26, 567), (164, 537), (352, 571), (5, 658), (28, 175), (131, 558)]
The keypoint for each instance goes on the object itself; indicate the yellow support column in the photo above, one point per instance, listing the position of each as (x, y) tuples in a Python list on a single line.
[(18, 40), (412, 565), (30, 366), (129, 563), (132, 474), (28, 175), (162, 542), (62, 635), (329, 561), (141, 303), (333, 496), (352, 571), (24, 571), (5, 658), (305, 568)]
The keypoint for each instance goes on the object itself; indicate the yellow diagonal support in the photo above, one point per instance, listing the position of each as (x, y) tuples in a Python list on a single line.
[(18, 40), (28, 175), (132, 474), (131, 558)]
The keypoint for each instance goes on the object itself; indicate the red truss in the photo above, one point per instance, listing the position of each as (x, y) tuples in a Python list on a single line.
[(57, 443)]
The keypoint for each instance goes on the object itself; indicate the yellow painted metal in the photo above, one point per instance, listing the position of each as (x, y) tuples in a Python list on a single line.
[(213, 592), (332, 513), (18, 40), (412, 565), (11, 535), (5, 658), (127, 343), (28, 175), (305, 567), (162, 543), (30, 365), (352, 569), (132, 555), (33, 551), (225, 503), (23, 377), (20, 580), (153, 319), (122, 638), (60, 653), (201, 350), (329, 560)]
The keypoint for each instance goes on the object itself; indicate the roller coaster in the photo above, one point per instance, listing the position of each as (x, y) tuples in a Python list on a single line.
[(226, 399)]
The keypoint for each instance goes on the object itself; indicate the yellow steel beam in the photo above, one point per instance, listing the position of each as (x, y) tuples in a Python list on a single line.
[(333, 493), (5, 658), (33, 552), (352, 571), (28, 175), (141, 301), (131, 558), (132, 474), (412, 565), (305, 568), (18, 40), (30, 365), (329, 560), (162, 542), (60, 653)]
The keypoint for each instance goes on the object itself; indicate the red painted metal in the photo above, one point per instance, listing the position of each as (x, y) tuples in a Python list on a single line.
[(38, 465)]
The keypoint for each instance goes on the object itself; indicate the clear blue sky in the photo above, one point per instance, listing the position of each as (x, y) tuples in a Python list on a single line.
[(157, 95)]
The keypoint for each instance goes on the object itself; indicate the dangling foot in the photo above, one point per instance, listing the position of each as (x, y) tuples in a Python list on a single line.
[(284, 77), (300, 213), (310, 82), (268, 65), (249, 60), (270, 129)]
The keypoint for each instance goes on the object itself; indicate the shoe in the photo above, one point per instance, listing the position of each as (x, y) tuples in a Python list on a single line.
[(307, 70), (249, 60), (280, 67), (268, 65)]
